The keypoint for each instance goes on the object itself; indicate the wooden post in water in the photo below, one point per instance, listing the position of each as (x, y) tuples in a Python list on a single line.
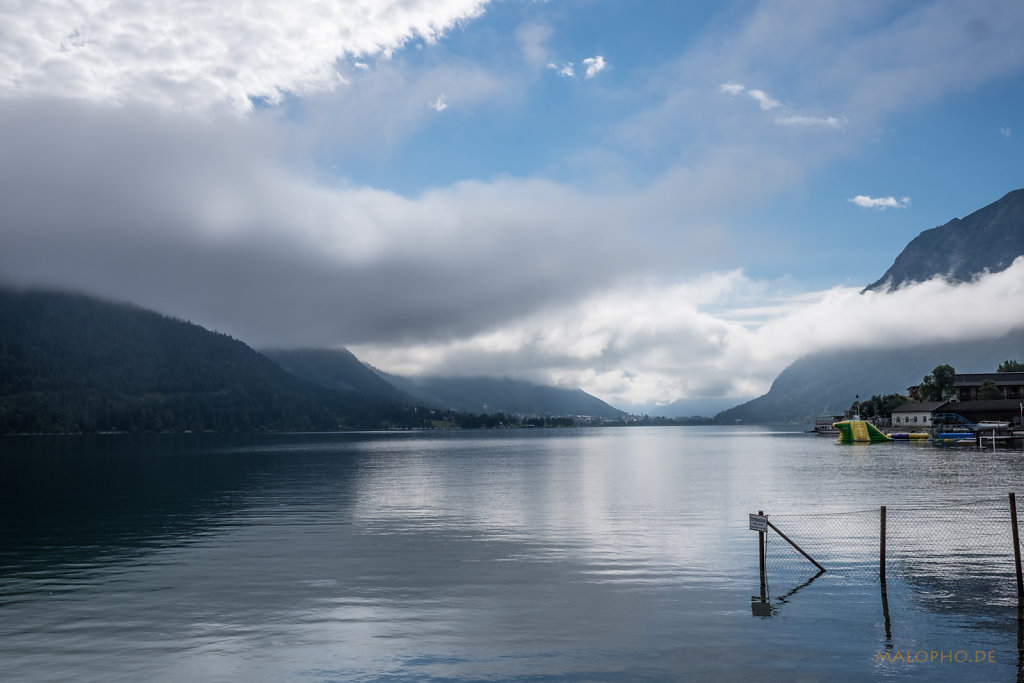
[(881, 549), (762, 608), (760, 556), (1016, 548)]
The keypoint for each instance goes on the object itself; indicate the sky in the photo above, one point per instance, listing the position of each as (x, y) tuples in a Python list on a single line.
[(651, 201)]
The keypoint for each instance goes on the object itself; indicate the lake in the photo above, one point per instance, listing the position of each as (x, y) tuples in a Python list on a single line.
[(529, 555)]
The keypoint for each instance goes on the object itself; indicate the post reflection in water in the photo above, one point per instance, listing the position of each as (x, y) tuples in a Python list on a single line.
[(571, 555), (1020, 643)]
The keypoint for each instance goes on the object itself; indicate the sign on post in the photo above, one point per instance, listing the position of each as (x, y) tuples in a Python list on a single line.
[(758, 523)]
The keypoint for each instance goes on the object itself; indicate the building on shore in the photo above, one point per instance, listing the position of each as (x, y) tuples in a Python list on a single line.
[(1003, 410), (965, 403), (1009, 384), (915, 414)]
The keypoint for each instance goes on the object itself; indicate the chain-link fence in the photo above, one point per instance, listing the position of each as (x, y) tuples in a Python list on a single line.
[(959, 554)]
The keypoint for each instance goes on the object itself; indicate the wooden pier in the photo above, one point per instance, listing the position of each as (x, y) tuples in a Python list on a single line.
[(985, 437)]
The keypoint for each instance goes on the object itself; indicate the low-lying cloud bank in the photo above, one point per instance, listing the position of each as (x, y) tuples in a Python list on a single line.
[(140, 161), (518, 277), (699, 339), (204, 221)]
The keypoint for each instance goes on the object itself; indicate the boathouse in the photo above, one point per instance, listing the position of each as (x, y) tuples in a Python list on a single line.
[(1005, 410), (1009, 384)]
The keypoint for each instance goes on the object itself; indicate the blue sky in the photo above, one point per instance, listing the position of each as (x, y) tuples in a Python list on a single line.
[(950, 155), (632, 198)]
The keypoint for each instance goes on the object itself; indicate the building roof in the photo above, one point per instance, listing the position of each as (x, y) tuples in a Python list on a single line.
[(1000, 379), (919, 407), (1004, 404)]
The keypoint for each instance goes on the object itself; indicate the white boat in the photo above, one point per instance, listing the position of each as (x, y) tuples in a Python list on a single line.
[(823, 425)]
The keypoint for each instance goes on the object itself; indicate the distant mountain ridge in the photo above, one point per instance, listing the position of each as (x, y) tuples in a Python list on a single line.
[(517, 397), (74, 363), (340, 369), (988, 239), (337, 369), (71, 363), (829, 383)]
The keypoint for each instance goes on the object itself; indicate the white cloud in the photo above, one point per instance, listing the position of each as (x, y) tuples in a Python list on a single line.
[(195, 56), (222, 224), (710, 336), (1005, 131), (809, 121), (440, 104), (221, 221), (564, 70), (763, 100), (844, 318), (866, 202), (595, 65)]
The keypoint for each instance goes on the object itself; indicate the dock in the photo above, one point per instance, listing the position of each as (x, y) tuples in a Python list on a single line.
[(997, 436)]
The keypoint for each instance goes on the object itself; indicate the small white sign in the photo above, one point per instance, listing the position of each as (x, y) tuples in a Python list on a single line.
[(758, 523)]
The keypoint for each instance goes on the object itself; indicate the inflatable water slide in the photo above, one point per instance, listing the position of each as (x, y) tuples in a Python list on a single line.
[(861, 431)]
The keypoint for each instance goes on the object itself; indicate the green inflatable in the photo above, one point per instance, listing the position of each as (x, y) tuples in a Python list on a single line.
[(859, 431)]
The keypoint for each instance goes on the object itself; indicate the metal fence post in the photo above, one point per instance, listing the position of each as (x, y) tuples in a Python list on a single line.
[(1016, 548), (881, 576), (760, 546), (881, 549)]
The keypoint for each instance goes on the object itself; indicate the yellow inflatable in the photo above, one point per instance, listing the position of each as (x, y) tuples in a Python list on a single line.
[(861, 431)]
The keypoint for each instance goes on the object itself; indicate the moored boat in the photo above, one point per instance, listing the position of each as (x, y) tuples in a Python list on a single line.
[(824, 425), (954, 437)]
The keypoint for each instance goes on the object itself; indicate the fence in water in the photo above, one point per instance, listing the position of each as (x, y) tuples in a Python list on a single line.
[(966, 554)]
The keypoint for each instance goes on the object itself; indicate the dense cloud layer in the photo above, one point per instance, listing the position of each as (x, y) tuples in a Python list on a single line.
[(199, 220), (703, 339), (201, 55), (133, 166)]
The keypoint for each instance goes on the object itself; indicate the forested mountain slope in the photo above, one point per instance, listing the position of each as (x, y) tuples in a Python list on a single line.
[(829, 383), (488, 395), (72, 363)]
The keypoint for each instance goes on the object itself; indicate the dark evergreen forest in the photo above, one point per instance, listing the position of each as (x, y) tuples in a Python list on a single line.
[(70, 363)]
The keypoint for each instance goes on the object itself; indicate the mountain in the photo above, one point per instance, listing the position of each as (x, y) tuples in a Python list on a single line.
[(71, 363), (685, 407), (988, 239), (825, 384), (490, 395), (337, 369)]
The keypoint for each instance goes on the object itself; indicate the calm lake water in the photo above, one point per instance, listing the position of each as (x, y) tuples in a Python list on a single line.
[(547, 555)]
